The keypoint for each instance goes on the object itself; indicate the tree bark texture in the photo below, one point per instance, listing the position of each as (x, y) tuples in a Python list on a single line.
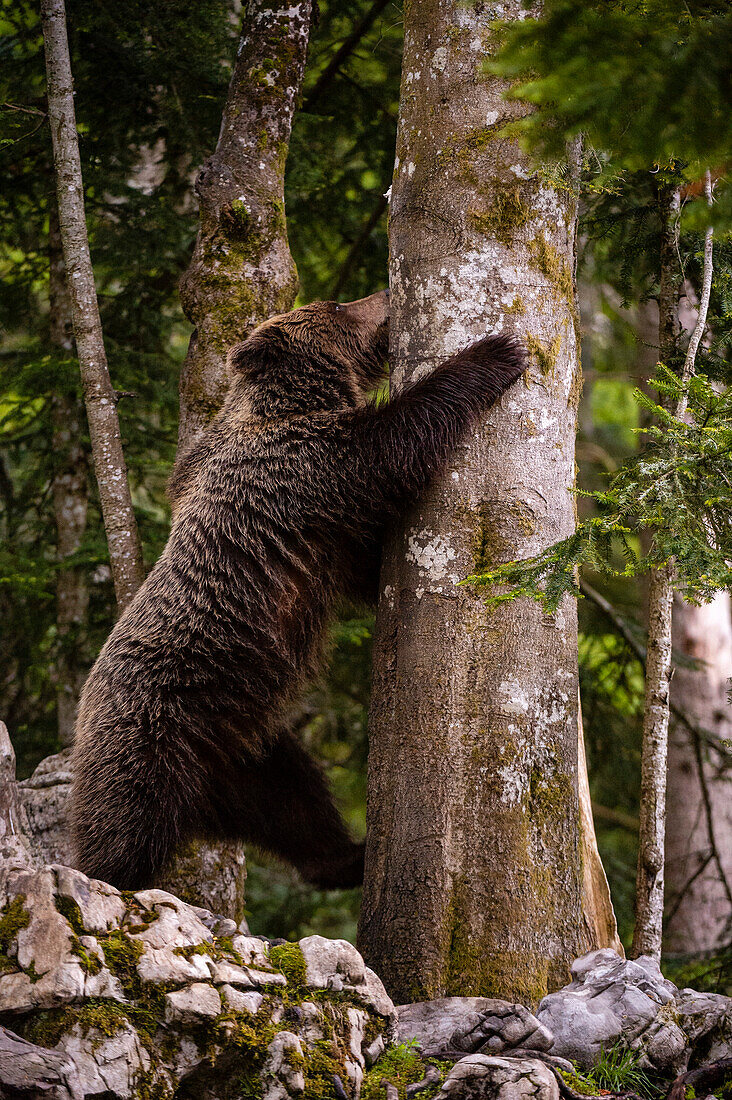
[(473, 875), (120, 526), (698, 904), (652, 817), (241, 271), (70, 501)]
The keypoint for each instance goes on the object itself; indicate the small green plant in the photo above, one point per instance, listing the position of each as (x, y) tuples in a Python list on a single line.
[(618, 1071)]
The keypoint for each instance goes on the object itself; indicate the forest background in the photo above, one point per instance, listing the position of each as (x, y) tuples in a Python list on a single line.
[(150, 84)]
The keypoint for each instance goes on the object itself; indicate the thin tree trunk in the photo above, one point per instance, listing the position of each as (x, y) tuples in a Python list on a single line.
[(109, 465), (70, 501), (649, 894), (241, 271), (652, 818), (473, 878), (698, 906), (699, 825)]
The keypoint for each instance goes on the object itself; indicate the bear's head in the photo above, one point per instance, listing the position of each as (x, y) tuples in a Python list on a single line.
[(323, 356)]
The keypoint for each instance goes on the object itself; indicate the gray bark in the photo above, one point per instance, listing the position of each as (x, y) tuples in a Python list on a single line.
[(120, 526), (109, 465), (652, 817), (648, 931), (241, 271), (698, 905), (649, 883), (70, 501), (473, 877)]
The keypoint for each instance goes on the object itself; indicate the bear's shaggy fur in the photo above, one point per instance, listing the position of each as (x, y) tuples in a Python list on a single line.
[(279, 511)]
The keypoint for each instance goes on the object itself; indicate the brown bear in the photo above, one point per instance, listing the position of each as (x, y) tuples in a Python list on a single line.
[(279, 511)]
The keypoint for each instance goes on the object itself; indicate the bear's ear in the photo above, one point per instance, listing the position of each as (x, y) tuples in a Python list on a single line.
[(254, 357)]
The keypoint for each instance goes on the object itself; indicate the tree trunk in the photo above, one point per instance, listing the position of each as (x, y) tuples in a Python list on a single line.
[(473, 876), (648, 932), (652, 816), (242, 271), (699, 909), (70, 500), (101, 404)]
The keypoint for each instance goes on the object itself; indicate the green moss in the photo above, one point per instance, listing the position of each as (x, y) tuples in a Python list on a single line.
[(517, 307), (549, 796), (544, 355), (149, 1085), (69, 909), (122, 954), (507, 213), (323, 1062), (485, 544), (577, 1083), (89, 962), (402, 1066), (556, 269), (13, 917), (289, 959), (46, 1029)]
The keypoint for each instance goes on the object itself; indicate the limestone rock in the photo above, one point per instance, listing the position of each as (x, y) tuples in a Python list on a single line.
[(192, 1004), (285, 1060), (45, 797), (30, 1071), (15, 850), (472, 1024), (706, 1018), (609, 998), (331, 964), (150, 992), (100, 906), (241, 1002), (480, 1077), (336, 965)]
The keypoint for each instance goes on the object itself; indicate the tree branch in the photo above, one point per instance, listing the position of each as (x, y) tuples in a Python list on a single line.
[(358, 244), (326, 78)]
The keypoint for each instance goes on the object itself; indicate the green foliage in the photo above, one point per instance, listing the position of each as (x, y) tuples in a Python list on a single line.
[(648, 81), (618, 1071), (678, 490)]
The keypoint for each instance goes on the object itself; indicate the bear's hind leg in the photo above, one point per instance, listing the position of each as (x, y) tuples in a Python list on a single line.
[(283, 805), (128, 817)]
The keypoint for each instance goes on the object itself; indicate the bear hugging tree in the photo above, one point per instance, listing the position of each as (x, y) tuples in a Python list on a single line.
[(279, 510)]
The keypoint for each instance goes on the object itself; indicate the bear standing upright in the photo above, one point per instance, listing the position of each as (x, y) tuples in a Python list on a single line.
[(279, 510)]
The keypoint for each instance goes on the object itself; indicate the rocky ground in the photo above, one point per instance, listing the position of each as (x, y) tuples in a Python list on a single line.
[(143, 996)]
